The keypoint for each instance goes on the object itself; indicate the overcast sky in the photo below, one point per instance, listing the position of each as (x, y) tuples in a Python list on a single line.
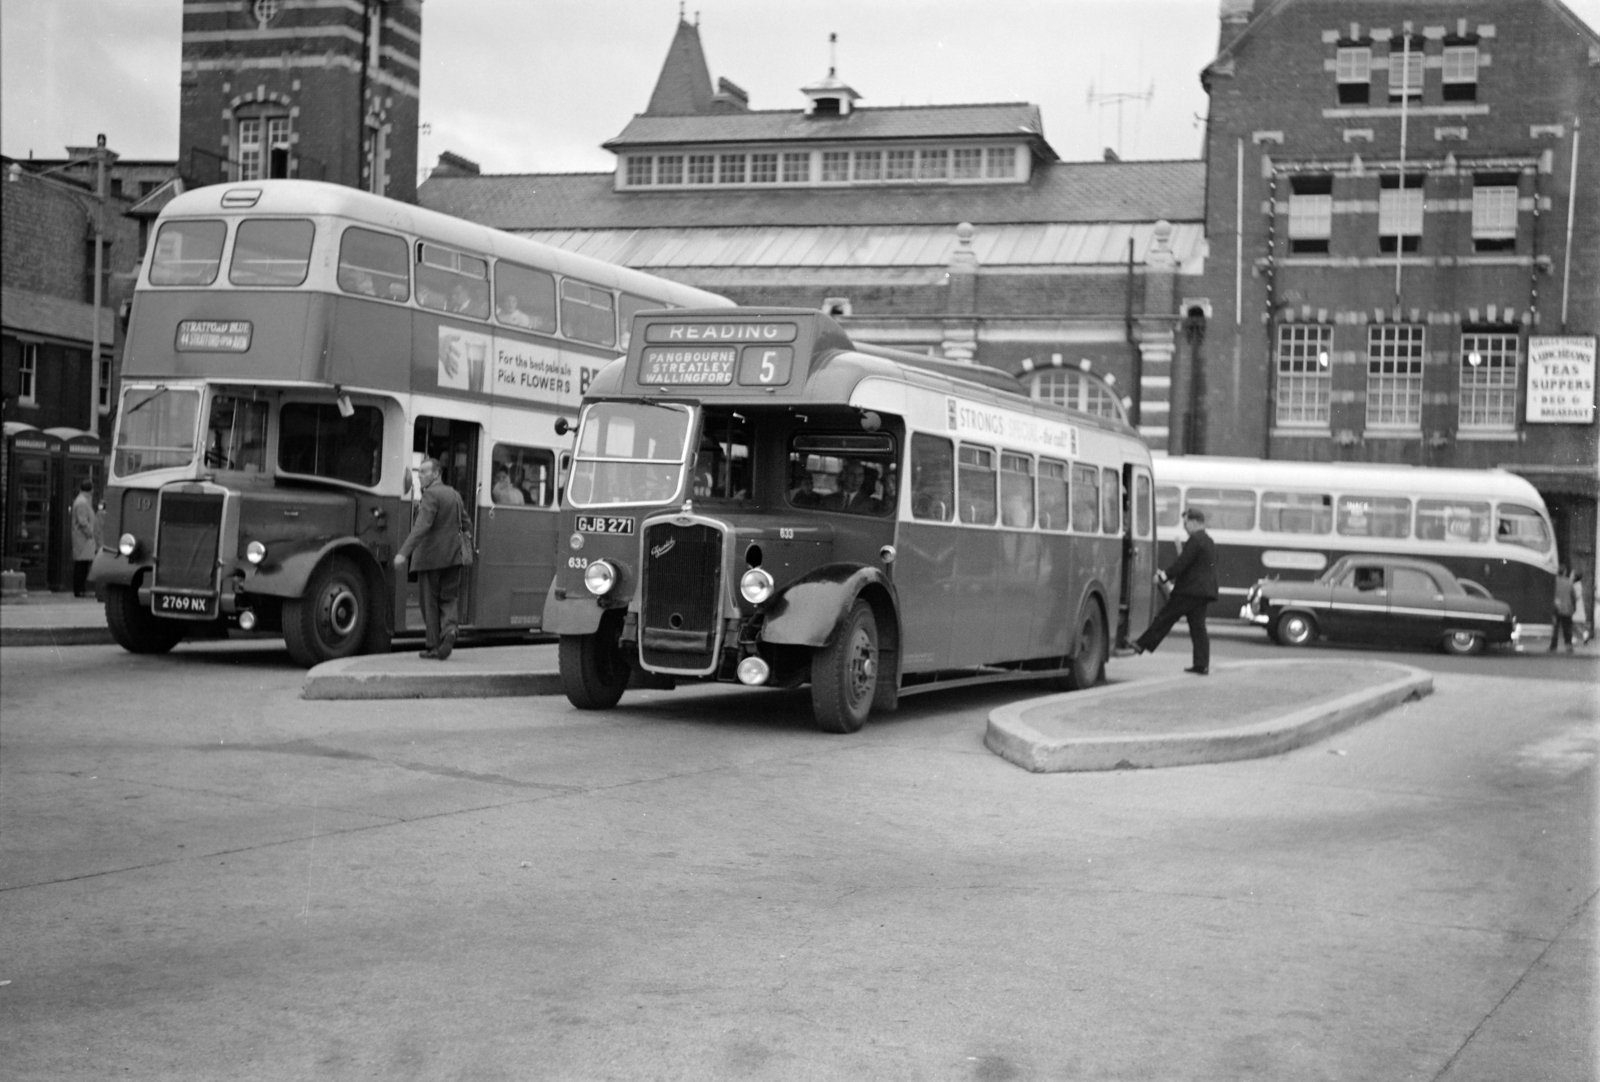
[(538, 85)]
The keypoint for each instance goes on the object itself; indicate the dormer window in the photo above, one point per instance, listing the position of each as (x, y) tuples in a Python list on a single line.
[(825, 107)]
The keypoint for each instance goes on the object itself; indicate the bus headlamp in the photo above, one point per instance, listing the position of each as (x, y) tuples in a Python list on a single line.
[(255, 552), (128, 544), (599, 577), (753, 671), (755, 586)]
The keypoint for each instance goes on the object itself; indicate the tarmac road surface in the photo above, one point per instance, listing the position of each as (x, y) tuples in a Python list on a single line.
[(203, 876)]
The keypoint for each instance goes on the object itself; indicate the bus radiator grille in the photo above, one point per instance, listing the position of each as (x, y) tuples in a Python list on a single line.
[(679, 599), (186, 543)]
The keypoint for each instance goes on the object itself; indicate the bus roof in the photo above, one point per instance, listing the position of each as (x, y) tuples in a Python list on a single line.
[(284, 198), (717, 354), (1366, 477)]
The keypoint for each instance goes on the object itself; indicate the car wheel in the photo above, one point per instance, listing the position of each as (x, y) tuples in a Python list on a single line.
[(1462, 643), (1294, 629)]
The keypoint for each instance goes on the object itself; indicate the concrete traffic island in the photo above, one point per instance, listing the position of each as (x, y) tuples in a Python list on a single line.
[(1243, 710), (480, 672)]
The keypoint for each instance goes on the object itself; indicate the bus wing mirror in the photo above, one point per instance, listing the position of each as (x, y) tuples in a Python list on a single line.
[(563, 426)]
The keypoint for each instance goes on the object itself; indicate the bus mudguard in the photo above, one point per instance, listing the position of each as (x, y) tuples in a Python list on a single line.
[(111, 568), (809, 611), (570, 615), (289, 576)]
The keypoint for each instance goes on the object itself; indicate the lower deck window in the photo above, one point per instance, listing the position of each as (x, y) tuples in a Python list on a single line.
[(843, 472), (313, 439), (933, 488), (1452, 520), (522, 476), (976, 482)]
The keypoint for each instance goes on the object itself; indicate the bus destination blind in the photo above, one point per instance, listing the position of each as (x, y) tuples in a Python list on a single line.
[(688, 365)]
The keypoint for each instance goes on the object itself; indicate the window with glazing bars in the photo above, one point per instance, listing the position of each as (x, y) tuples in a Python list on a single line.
[(868, 164), (640, 171), (835, 166), (797, 168), (669, 169), (1353, 70), (1310, 213), (900, 165), (1405, 69), (1489, 370), (1001, 162), (1394, 375), (1400, 207), (763, 168), (730, 169), (1077, 391), (1304, 373), (933, 164), (1494, 212), (966, 163), (702, 168), (1459, 77)]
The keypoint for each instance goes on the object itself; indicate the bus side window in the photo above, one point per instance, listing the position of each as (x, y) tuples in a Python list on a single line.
[(525, 298), (976, 485), (933, 490), (627, 305), (1452, 520), (1141, 505), (374, 265), (1016, 489), (588, 313), (522, 476), (1519, 525), (1374, 516), (1054, 494), (1111, 501), (1168, 501), (1296, 512), (1225, 508), (314, 439), (1085, 499), (451, 281)]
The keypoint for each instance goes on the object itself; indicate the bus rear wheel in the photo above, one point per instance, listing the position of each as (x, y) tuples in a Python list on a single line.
[(330, 620), (135, 628), (1087, 665), (844, 674)]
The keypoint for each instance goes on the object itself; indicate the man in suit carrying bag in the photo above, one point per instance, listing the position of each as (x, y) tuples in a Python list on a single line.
[(434, 550), (1193, 580)]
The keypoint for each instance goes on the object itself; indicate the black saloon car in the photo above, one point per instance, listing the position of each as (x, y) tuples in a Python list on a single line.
[(1387, 599)]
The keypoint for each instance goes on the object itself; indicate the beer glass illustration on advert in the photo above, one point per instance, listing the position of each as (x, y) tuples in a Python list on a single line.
[(477, 354)]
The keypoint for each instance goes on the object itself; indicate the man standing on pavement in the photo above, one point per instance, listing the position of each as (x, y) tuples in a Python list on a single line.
[(433, 549), (84, 543), (1193, 578)]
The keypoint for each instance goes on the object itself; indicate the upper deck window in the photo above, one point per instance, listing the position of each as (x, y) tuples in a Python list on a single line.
[(271, 252), (156, 430), (187, 253), (452, 281), (588, 313), (524, 297), (374, 265)]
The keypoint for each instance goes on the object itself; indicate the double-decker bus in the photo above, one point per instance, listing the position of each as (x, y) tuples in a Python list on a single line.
[(1290, 520), (756, 499), (293, 351)]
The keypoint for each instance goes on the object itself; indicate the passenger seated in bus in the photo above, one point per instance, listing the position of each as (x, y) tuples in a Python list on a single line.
[(511, 312), (503, 491), (352, 280), (863, 499), (804, 492), (461, 300)]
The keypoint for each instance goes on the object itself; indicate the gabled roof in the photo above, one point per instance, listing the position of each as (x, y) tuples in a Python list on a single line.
[(684, 85), (981, 121), (1059, 192), (53, 317)]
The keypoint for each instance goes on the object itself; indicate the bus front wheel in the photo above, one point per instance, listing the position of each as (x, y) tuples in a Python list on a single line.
[(844, 674), (594, 670), (135, 628), (330, 620)]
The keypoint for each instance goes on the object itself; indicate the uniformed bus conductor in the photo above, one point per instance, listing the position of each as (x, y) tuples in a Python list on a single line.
[(1193, 578)]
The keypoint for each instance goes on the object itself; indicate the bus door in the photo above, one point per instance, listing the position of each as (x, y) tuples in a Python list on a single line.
[(516, 536), (1138, 553), (455, 444)]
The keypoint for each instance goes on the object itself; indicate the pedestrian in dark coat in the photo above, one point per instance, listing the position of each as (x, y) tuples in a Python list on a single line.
[(1193, 578), (433, 549)]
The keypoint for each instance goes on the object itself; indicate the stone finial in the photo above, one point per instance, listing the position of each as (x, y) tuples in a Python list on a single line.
[(963, 259)]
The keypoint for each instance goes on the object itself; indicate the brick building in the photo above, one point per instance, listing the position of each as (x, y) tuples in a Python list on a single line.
[(1403, 202), (949, 229), (319, 91)]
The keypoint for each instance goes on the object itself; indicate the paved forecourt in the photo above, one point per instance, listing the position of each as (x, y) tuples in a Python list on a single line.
[(1243, 710)]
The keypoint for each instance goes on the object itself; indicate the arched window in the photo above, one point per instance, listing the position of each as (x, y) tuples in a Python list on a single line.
[(1078, 390)]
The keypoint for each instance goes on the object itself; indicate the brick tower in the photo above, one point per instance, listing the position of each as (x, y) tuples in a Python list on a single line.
[(288, 88)]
